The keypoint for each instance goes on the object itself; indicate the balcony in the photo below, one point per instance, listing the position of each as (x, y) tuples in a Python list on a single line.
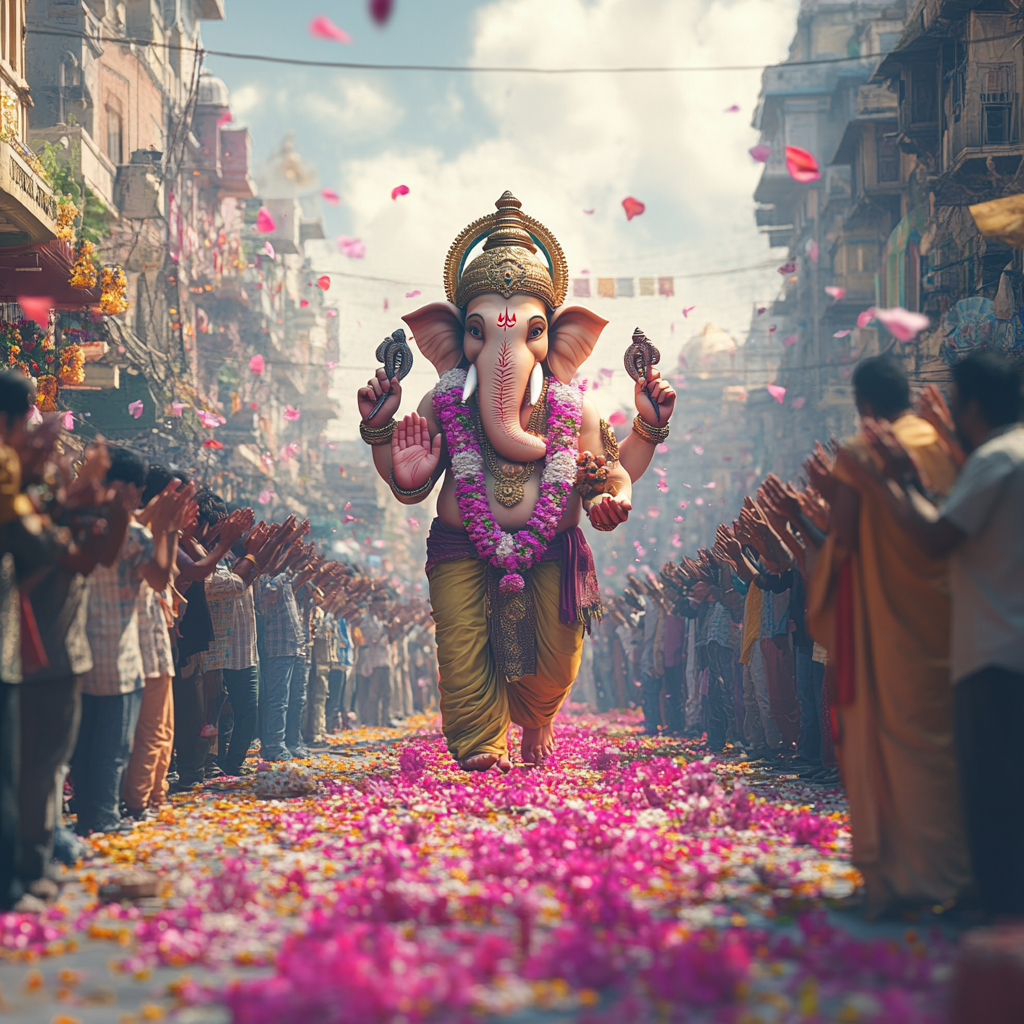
[(27, 205), (99, 173)]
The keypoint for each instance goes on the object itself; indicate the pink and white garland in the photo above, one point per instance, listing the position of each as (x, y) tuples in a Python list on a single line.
[(513, 552)]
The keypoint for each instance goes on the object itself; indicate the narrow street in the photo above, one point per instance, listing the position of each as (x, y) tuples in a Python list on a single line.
[(627, 876)]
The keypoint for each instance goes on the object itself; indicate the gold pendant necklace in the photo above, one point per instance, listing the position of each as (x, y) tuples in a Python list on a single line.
[(510, 478)]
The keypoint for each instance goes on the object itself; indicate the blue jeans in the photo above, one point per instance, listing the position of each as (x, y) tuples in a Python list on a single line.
[(650, 700), (101, 756), (296, 705), (243, 691), (281, 676), (810, 676)]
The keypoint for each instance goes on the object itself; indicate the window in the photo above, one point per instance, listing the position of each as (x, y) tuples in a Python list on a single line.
[(923, 106), (996, 124), (996, 103), (115, 137), (888, 158)]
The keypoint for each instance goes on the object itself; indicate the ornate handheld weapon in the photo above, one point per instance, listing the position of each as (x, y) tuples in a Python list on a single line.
[(395, 354), (639, 357)]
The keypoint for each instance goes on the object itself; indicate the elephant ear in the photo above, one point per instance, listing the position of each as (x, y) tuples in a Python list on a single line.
[(572, 336), (437, 330)]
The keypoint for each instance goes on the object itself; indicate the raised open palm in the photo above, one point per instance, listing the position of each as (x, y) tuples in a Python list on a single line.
[(414, 457)]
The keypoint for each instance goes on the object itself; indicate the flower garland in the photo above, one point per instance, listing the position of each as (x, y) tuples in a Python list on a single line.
[(518, 552), (83, 273), (113, 299)]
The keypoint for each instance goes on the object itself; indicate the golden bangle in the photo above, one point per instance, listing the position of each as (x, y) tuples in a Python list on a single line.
[(377, 435), (422, 489), (652, 435)]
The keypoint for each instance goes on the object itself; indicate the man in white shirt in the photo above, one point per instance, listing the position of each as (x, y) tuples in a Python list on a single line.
[(980, 528), (373, 688)]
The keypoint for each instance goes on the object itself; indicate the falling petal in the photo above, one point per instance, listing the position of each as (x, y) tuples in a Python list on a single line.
[(303, 303), (256, 364), (679, 519), (687, 310), (662, 449), (177, 408), (291, 414), (269, 249), (331, 313), (36, 307), (321, 27), (330, 196), (683, 504), (399, 190), (662, 486), (413, 293), (760, 153), (698, 450), (734, 109), (633, 207), (801, 165), (610, 570), (35, 416), (323, 283), (68, 420), (589, 213), (866, 317), (414, 524), (901, 323), (772, 329), (676, 542), (353, 248), (711, 486), (791, 340), (224, 119), (787, 268), (331, 366), (835, 291), (212, 442), (761, 309), (265, 222), (840, 334), (135, 408), (210, 419), (653, 512), (347, 520), (777, 392), (799, 403), (380, 10), (617, 418), (266, 496), (812, 250)]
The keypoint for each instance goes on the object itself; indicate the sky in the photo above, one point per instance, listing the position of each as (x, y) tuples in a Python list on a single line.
[(562, 144)]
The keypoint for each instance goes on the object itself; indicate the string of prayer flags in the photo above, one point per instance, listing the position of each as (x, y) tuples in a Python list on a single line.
[(624, 287)]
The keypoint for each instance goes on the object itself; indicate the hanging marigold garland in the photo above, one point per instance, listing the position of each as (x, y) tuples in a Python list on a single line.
[(66, 214), (83, 273), (113, 299)]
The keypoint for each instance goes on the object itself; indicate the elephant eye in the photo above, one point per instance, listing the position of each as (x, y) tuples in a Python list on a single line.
[(474, 329), (536, 330)]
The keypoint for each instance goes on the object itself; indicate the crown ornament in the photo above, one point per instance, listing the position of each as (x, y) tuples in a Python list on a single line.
[(509, 262)]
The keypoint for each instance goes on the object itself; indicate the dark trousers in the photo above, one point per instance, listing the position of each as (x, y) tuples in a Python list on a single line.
[(720, 694), (809, 676), (650, 700), (10, 763), (989, 724), (189, 718), (101, 756), (50, 713), (337, 696), (675, 698), (297, 694), (779, 676), (281, 679), (243, 687)]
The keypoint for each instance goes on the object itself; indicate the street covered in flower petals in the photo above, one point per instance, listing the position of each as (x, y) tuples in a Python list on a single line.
[(630, 878)]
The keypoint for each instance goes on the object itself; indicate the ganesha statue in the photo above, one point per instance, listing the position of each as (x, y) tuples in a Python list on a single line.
[(522, 453)]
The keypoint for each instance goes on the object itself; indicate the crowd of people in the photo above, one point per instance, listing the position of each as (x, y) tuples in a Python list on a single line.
[(151, 638), (866, 629)]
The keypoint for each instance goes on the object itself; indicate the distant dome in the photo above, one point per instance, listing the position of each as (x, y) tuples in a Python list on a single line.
[(708, 346), (212, 91)]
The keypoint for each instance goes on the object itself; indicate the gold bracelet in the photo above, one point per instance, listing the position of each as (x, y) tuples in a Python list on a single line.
[(422, 489), (652, 435), (377, 435)]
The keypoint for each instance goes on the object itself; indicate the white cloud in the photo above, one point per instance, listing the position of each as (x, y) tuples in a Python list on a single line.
[(563, 144), (246, 99), (352, 108)]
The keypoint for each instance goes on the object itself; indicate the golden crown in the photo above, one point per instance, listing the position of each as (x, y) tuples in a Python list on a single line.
[(508, 263)]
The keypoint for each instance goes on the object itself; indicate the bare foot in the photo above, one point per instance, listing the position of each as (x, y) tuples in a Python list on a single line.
[(537, 744), (485, 762)]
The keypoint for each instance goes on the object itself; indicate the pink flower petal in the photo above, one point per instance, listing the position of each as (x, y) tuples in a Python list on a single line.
[(799, 403), (676, 542), (256, 364), (617, 418), (36, 307), (323, 282), (265, 223), (734, 109), (269, 249), (633, 207), (901, 323), (399, 190), (662, 486), (34, 415), (68, 420), (213, 443), (176, 408), (866, 317), (224, 119), (812, 251), (801, 165), (135, 408), (791, 340), (353, 248), (291, 414), (760, 153), (589, 213), (210, 419), (697, 450), (835, 291), (321, 27), (328, 195), (840, 334), (687, 310), (413, 293), (761, 309), (266, 496), (777, 392)]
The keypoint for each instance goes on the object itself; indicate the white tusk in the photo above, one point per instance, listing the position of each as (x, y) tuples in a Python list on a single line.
[(470, 386), (536, 383)]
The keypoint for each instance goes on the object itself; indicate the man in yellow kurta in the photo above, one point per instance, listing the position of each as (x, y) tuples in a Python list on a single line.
[(881, 607)]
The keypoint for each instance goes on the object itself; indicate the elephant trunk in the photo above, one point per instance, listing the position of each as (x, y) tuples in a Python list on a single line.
[(504, 379)]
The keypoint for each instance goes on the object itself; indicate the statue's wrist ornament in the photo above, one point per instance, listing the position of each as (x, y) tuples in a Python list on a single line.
[(377, 435), (418, 492), (652, 435)]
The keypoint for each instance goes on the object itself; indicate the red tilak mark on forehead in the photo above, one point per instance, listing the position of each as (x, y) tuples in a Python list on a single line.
[(506, 319)]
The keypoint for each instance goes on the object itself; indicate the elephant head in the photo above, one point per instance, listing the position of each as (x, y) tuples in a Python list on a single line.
[(506, 341)]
